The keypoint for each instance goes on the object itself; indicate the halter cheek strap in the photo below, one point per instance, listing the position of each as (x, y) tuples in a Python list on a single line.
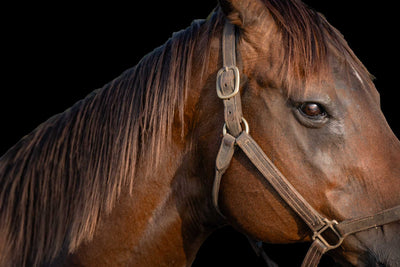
[(228, 83)]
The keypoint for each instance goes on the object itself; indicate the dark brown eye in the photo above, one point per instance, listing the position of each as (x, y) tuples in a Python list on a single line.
[(313, 110)]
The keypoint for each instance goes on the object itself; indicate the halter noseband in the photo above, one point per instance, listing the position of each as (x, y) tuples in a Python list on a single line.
[(228, 83)]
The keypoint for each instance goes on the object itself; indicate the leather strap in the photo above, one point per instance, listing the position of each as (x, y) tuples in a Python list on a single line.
[(279, 182), (228, 81), (224, 157), (352, 226), (314, 254)]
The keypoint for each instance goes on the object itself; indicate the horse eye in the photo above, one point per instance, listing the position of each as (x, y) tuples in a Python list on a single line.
[(312, 110)]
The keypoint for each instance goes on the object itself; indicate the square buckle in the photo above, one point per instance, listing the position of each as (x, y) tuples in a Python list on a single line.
[(220, 73), (329, 225)]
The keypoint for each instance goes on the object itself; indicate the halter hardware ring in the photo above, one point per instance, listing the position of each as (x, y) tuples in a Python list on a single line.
[(220, 93), (328, 225), (246, 127)]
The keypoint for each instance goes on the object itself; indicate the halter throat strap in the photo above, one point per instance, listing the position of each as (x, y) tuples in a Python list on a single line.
[(227, 85)]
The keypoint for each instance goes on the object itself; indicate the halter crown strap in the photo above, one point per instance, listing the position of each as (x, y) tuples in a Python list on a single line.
[(228, 83)]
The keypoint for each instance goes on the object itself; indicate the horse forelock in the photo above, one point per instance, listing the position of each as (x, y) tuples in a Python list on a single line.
[(57, 181), (308, 41)]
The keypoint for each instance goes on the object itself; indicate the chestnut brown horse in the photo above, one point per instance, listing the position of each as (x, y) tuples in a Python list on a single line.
[(127, 175)]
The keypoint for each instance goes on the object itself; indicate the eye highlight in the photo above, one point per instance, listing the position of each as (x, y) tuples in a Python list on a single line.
[(312, 110)]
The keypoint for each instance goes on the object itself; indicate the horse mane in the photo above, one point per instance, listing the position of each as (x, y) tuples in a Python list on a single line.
[(57, 181), (307, 40)]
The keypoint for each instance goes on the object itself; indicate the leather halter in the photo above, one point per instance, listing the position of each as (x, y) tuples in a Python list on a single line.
[(228, 83)]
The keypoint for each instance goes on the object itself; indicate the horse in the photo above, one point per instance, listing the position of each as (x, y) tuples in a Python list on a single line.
[(143, 170)]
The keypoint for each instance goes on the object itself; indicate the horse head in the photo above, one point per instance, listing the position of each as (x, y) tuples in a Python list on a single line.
[(312, 107)]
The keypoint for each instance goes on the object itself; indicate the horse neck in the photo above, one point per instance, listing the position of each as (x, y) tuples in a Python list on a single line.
[(152, 225), (162, 222), (169, 213), (159, 218)]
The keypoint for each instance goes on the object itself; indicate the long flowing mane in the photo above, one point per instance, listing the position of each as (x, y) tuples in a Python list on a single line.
[(58, 180)]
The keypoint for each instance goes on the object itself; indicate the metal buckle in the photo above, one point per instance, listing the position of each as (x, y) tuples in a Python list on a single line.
[(328, 225), (236, 81)]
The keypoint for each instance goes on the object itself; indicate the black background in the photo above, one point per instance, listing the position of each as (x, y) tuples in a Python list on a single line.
[(54, 54)]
